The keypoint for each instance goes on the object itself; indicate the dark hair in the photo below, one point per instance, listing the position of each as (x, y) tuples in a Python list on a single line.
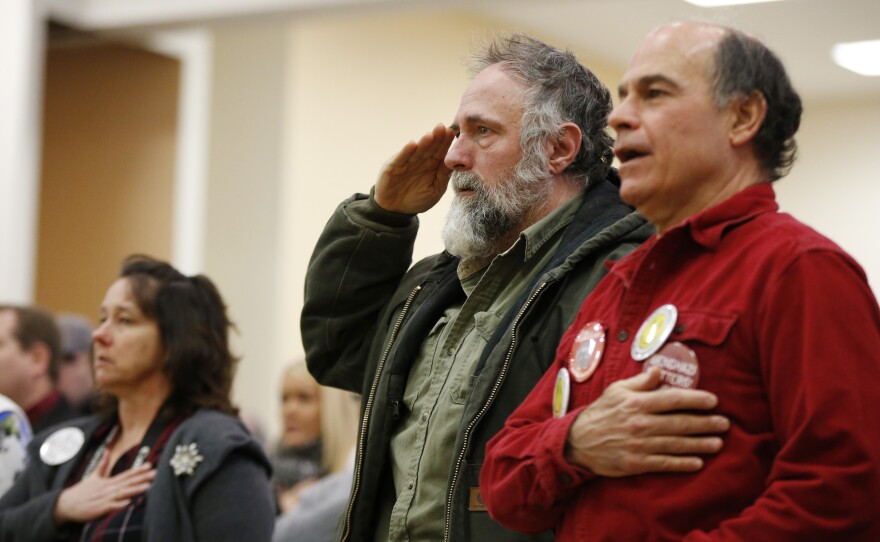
[(559, 89), (744, 65), (193, 328), (35, 325)]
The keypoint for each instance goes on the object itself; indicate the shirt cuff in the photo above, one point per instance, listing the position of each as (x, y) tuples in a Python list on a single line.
[(564, 476)]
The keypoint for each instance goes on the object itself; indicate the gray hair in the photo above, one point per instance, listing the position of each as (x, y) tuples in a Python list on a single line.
[(558, 89)]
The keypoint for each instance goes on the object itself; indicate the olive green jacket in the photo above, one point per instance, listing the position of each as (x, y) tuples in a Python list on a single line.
[(366, 313)]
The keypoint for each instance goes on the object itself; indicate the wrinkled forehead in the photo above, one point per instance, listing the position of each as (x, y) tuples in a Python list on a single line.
[(493, 93)]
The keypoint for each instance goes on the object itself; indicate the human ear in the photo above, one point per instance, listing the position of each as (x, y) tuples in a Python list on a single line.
[(563, 149), (41, 356), (748, 114)]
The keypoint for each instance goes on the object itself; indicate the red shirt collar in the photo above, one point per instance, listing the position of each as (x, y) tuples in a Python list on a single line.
[(707, 227), (43, 407)]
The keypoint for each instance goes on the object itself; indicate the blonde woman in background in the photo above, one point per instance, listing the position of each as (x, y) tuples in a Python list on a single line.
[(313, 459)]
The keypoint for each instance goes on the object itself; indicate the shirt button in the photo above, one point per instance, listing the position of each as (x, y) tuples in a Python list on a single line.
[(622, 335), (424, 417), (450, 351), (410, 484)]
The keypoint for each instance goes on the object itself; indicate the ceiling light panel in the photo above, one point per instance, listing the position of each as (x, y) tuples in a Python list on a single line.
[(862, 57), (719, 3)]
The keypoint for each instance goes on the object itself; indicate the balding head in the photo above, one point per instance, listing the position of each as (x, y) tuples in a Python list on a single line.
[(695, 126)]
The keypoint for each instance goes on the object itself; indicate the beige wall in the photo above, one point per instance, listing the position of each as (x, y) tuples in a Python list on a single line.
[(107, 169), (835, 183), (242, 211)]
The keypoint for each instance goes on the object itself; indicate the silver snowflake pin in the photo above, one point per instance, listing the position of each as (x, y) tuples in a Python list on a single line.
[(186, 459)]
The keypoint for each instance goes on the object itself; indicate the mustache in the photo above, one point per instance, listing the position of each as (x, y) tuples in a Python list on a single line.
[(466, 180)]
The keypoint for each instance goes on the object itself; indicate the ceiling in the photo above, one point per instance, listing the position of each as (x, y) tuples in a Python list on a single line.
[(800, 31)]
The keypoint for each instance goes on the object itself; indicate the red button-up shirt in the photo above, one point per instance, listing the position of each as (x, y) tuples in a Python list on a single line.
[(787, 334)]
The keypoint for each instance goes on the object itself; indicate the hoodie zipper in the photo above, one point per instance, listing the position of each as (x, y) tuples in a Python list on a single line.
[(368, 409), (482, 412)]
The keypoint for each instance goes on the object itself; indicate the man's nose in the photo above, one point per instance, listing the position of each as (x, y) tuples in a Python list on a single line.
[(458, 156)]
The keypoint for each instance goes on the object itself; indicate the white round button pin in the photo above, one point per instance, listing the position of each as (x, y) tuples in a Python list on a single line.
[(62, 445), (653, 332)]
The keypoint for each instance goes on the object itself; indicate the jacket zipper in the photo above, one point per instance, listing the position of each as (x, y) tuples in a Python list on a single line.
[(482, 412), (368, 409)]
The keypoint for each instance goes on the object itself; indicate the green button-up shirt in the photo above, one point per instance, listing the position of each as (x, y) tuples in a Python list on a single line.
[(440, 380)]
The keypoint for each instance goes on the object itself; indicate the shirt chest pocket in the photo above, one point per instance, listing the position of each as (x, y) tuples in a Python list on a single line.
[(420, 376), (708, 335), (485, 324)]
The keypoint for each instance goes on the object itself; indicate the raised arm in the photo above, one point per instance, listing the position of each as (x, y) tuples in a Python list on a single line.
[(415, 179), (361, 257)]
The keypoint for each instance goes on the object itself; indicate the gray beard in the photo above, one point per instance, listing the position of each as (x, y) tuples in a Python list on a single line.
[(478, 223)]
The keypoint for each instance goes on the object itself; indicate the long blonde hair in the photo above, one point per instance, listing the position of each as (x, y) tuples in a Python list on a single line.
[(339, 417)]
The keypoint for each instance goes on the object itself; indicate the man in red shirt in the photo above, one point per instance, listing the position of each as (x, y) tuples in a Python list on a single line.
[(717, 383)]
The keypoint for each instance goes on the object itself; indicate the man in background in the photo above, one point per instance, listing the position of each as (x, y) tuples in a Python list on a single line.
[(30, 349)]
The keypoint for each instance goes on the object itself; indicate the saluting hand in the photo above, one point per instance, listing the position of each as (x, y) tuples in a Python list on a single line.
[(415, 179), (636, 428), (98, 494)]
